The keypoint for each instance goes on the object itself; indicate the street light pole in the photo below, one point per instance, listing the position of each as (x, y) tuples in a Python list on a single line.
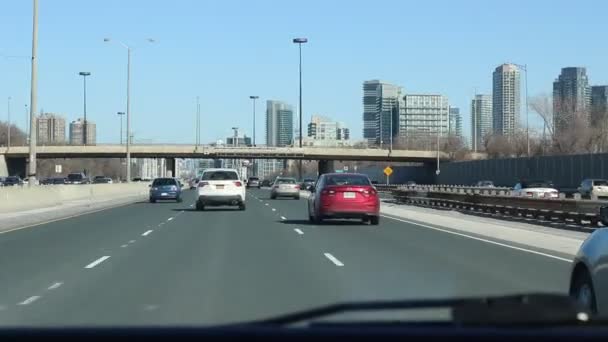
[(33, 94), (129, 134), (254, 98), (198, 122), (120, 115), (300, 41), (8, 138), (84, 75), (27, 124)]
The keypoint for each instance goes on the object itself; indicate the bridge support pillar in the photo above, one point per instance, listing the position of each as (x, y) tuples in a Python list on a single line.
[(325, 166), (3, 166), (170, 167), (14, 167)]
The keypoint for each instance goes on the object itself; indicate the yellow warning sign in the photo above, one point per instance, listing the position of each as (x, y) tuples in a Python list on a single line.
[(388, 171)]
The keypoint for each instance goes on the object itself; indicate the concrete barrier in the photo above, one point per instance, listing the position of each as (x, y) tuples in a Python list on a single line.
[(14, 199)]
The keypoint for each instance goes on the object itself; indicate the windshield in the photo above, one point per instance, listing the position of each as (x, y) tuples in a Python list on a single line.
[(164, 181), (347, 180), (229, 161), (220, 175)]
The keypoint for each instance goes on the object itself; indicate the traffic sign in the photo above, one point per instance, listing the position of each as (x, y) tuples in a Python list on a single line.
[(345, 168), (388, 171), (57, 168)]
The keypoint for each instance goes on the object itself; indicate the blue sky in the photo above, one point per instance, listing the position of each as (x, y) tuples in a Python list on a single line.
[(224, 51)]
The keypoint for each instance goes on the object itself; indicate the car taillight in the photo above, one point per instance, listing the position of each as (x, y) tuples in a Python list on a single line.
[(529, 194), (369, 192), (237, 183), (297, 187), (328, 192), (203, 184)]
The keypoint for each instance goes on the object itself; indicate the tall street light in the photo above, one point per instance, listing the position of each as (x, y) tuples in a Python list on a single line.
[(8, 111), (120, 115), (254, 98), (300, 41), (84, 75), (198, 122), (33, 97), (128, 145)]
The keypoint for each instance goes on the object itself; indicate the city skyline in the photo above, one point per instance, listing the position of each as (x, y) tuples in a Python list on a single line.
[(161, 86)]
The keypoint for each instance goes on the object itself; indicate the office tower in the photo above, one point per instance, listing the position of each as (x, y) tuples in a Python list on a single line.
[(481, 120), (50, 129), (381, 102), (77, 129), (279, 123), (506, 99), (571, 98)]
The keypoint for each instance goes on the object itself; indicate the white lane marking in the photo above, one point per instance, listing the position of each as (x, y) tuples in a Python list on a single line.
[(266, 204), (97, 262), (54, 286), (161, 224), (299, 231), (132, 241), (29, 300), (170, 219), (123, 246), (146, 233), (333, 259), (283, 218), (482, 239), (273, 209), (191, 205)]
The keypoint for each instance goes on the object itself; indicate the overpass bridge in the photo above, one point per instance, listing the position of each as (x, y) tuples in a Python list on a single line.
[(15, 157)]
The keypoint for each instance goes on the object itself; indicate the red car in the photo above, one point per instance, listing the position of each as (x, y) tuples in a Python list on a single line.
[(344, 195)]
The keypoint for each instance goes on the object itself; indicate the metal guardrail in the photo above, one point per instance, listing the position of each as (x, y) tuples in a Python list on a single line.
[(564, 210)]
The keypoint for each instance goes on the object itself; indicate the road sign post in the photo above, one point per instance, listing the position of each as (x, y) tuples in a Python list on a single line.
[(388, 171)]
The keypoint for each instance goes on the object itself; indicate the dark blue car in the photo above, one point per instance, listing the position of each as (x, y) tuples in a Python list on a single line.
[(165, 189)]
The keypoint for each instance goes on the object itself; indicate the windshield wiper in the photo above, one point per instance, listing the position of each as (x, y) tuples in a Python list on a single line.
[(528, 309)]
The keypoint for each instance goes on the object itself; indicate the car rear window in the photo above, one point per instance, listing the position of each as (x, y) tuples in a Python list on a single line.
[(220, 175), (163, 181), (254, 178), (347, 180), (75, 176), (600, 182), (286, 181)]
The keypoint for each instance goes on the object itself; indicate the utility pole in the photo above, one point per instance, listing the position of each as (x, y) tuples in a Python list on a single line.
[(33, 94)]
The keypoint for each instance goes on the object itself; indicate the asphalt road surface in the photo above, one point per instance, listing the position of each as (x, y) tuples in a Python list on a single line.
[(167, 264)]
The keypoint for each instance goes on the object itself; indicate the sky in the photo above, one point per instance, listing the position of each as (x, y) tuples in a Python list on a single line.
[(225, 51)]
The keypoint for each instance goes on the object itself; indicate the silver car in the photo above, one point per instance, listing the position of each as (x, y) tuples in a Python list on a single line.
[(285, 187), (589, 276)]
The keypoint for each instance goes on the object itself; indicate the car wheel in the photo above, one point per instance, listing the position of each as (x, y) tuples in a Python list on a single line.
[(152, 200), (296, 197), (179, 200), (365, 219), (199, 205), (374, 220), (273, 197), (242, 206), (582, 291)]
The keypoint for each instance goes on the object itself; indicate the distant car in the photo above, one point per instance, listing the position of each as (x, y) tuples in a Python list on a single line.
[(136, 179), (77, 178), (220, 187), (410, 183), (285, 187), (344, 195), (254, 182), (165, 189), (597, 187), (102, 180), (12, 180), (266, 183), (484, 184), (589, 274), (194, 183), (307, 184), (56, 181), (535, 189)]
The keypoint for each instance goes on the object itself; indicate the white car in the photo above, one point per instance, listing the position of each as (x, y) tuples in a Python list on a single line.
[(589, 276), (220, 187), (535, 189), (594, 187)]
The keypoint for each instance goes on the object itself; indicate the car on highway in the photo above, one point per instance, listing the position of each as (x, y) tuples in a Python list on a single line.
[(594, 187), (77, 178), (266, 183), (12, 181), (285, 187), (165, 189), (220, 187), (102, 180), (193, 183), (307, 184), (254, 182), (410, 183), (484, 184), (344, 196), (589, 273), (53, 181), (535, 189)]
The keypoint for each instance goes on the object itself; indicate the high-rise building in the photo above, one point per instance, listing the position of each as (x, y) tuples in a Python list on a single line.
[(424, 114), (279, 123), (322, 128), (571, 97), (238, 141), (599, 106), (50, 129), (481, 120), (455, 122), (77, 129), (506, 99), (381, 102)]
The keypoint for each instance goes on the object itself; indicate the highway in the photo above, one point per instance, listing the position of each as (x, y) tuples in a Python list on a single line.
[(167, 264)]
